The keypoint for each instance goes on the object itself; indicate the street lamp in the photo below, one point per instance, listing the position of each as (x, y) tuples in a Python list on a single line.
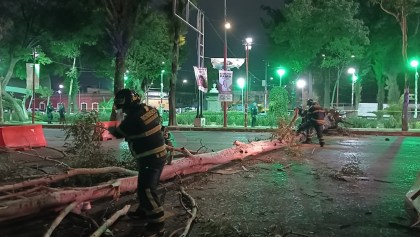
[(184, 81), (415, 63), (161, 92), (281, 72), (241, 84), (34, 55), (301, 84), (248, 46), (59, 91), (352, 71), (227, 26)]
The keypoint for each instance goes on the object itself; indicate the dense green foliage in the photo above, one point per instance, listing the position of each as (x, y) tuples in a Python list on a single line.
[(279, 103)]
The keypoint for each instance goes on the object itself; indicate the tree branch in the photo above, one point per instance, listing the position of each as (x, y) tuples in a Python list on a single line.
[(388, 11)]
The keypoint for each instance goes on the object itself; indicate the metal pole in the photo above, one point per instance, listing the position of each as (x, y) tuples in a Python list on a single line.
[(415, 93), (280, 79), (242, 99), (247, 86), (161, 93), (338, 83), (33, 87), (352, 91), (265, 89), (225, 68), (302, 97)]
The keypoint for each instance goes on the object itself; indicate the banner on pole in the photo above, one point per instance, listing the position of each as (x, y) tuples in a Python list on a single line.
[(225, 85), (218, 63), (201, 78), (30, 76)]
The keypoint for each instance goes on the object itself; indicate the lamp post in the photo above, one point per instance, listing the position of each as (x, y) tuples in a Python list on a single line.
[(415, 63), (59, 91), (248, 46), (241, 84), (301, 84), (281, 72), (227, 26), (34, 55), (161, 92), (353, 80)]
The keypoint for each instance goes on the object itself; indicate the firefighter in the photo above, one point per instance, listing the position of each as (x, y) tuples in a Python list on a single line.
[(308, 132), (142, 130), (315, 119)]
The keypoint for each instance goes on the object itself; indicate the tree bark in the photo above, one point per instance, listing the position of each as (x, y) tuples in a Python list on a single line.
[(41, 201), (118, 77), (172, 86), (16, 106)]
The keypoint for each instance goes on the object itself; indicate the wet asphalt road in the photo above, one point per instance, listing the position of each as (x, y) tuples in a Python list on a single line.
[(192, 140)]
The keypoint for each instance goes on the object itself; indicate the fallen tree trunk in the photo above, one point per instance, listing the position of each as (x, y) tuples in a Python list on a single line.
[(47, 200), (55, 178)]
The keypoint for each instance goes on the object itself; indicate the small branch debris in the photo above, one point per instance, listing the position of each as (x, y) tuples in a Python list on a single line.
[(110, 221)]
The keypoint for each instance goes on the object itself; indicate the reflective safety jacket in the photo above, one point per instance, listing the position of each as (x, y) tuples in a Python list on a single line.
[(142, 130), (316, 113)]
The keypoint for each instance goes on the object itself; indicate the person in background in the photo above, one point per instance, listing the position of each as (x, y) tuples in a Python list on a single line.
[(254, 113), (62, 113), (315, 119), (309, 131), (50, 109), (141, 128)]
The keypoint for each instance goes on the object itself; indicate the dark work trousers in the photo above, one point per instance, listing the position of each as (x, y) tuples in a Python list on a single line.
[(150, 168), (318, 128), (254, 120)]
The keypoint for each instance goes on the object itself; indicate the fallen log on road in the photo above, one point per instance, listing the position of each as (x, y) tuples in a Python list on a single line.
[(32, 203)]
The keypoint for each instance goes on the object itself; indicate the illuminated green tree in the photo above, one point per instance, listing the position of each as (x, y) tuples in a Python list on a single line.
[(401, 10)]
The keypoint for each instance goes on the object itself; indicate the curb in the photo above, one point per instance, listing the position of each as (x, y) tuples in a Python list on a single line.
[(356, 131)]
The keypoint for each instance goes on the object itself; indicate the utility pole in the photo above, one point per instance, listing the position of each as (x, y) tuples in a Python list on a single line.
[(265, 87)]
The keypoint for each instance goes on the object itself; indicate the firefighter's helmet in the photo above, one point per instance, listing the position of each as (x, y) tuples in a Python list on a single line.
[(310, 102), (124, 98)]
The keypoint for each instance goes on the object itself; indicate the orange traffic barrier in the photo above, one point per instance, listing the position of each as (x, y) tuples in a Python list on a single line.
[(22, 137), (104, 126)]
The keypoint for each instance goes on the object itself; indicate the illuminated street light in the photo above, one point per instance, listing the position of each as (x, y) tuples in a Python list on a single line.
[(415, 63), (281, 72), (301, 85), (352, 71), (227, 26), (34, 56), (241, 84), (248, 46), (161, 91)]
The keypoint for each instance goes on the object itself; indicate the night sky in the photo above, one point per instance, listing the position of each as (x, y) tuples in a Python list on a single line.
[(244, 17)]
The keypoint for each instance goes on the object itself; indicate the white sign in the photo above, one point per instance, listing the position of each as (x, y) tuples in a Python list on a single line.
[(30, 77), (226, 97), (201, 79)]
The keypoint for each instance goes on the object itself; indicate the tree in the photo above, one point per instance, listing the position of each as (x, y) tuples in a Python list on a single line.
[(307, 29), (400, 10), (177, 32), (295, 34), (150, 50), (121, 18), (22, 30), (68, 39)]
